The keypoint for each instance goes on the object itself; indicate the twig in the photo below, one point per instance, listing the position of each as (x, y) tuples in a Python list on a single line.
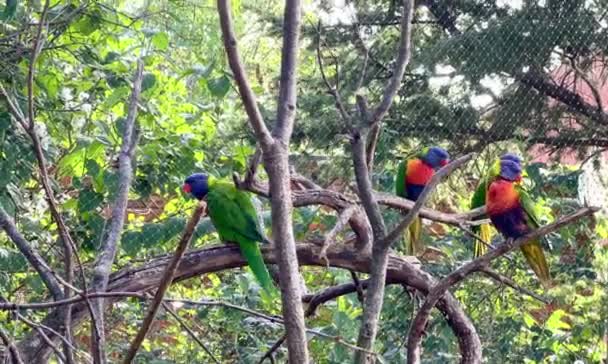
[(421, 319), (273, 348), (331, 89), (343, 218), (189, 331), (240, 76), (33, 257), (403, 58), (426, 192), (509, 282), (15, 356), (109, 247), (165, 282), (358, 286)]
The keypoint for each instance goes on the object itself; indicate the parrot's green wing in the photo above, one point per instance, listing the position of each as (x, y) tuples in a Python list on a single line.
[(235, 219), (484, 231), (233, 213), (533, 250), (400, 179)]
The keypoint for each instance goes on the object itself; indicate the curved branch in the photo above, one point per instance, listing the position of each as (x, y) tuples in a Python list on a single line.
[(401, 270), (439, 290)]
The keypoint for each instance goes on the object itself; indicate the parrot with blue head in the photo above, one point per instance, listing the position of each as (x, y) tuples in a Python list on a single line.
[(485, 231), (235, 218), (512, 212), (412, 176)]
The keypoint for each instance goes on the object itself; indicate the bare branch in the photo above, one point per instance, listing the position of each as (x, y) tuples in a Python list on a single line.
[(426, 192), (331, 89), (165, 282), (128, 282), (189, 331), (403, 58), (343, 218), (238, 70), (31, 254), (509, 282), (107, 254), (273, 348), (289, 57), (15, 356), (421, 319)]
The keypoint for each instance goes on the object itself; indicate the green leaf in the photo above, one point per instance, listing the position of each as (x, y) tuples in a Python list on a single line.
[(10, 9), (219, 87), (160, 41), (148, 82)]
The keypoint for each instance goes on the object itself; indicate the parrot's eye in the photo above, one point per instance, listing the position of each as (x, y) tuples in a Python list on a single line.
[(186, 188)]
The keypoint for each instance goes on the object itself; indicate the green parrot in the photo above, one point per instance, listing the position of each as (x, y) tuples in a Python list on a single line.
[(235, 218), (412, 176), (485, 231)]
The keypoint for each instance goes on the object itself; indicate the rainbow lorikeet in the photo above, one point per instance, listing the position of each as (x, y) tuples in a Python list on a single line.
[(511, 211), (235, 218), (479, 199), (412, 176)]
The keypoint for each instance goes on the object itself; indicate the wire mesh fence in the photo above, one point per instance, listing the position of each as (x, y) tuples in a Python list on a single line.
[(488, 77)]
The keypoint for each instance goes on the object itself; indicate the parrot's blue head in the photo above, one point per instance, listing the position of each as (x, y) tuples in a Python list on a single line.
[(197, 185), (436, 157), (511, 157), (509, 170)]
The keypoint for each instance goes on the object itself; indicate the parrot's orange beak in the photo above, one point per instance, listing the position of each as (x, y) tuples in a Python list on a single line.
[(186, 188)]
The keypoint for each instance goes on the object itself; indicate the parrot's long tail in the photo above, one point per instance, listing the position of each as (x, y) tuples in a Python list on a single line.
[(485, 233), (413, 242), (253, 255), (533, 251)]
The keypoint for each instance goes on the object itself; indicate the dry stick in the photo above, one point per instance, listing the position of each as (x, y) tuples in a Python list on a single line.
[(189, 331), (103, 266), (16, 357), (33, 257), (509, 282), (165, 282), (343, 218), (421, 319), (273, 348)]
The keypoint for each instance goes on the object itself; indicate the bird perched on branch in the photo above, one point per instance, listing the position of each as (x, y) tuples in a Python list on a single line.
[(235, 218), (412, 176), (511, 211), (485, 231)]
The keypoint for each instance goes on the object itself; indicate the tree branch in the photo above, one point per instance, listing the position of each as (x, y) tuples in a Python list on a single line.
[(33, 257), (421, 319), (107, 254), (403, 58), (189, 331), (509, 282), (238, 70), (165, 282), (426, 193), (129, 282), (14, 352)]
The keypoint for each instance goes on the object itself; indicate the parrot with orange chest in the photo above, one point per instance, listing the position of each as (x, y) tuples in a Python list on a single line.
[(511, 211), (479, 199), (412, 176)]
